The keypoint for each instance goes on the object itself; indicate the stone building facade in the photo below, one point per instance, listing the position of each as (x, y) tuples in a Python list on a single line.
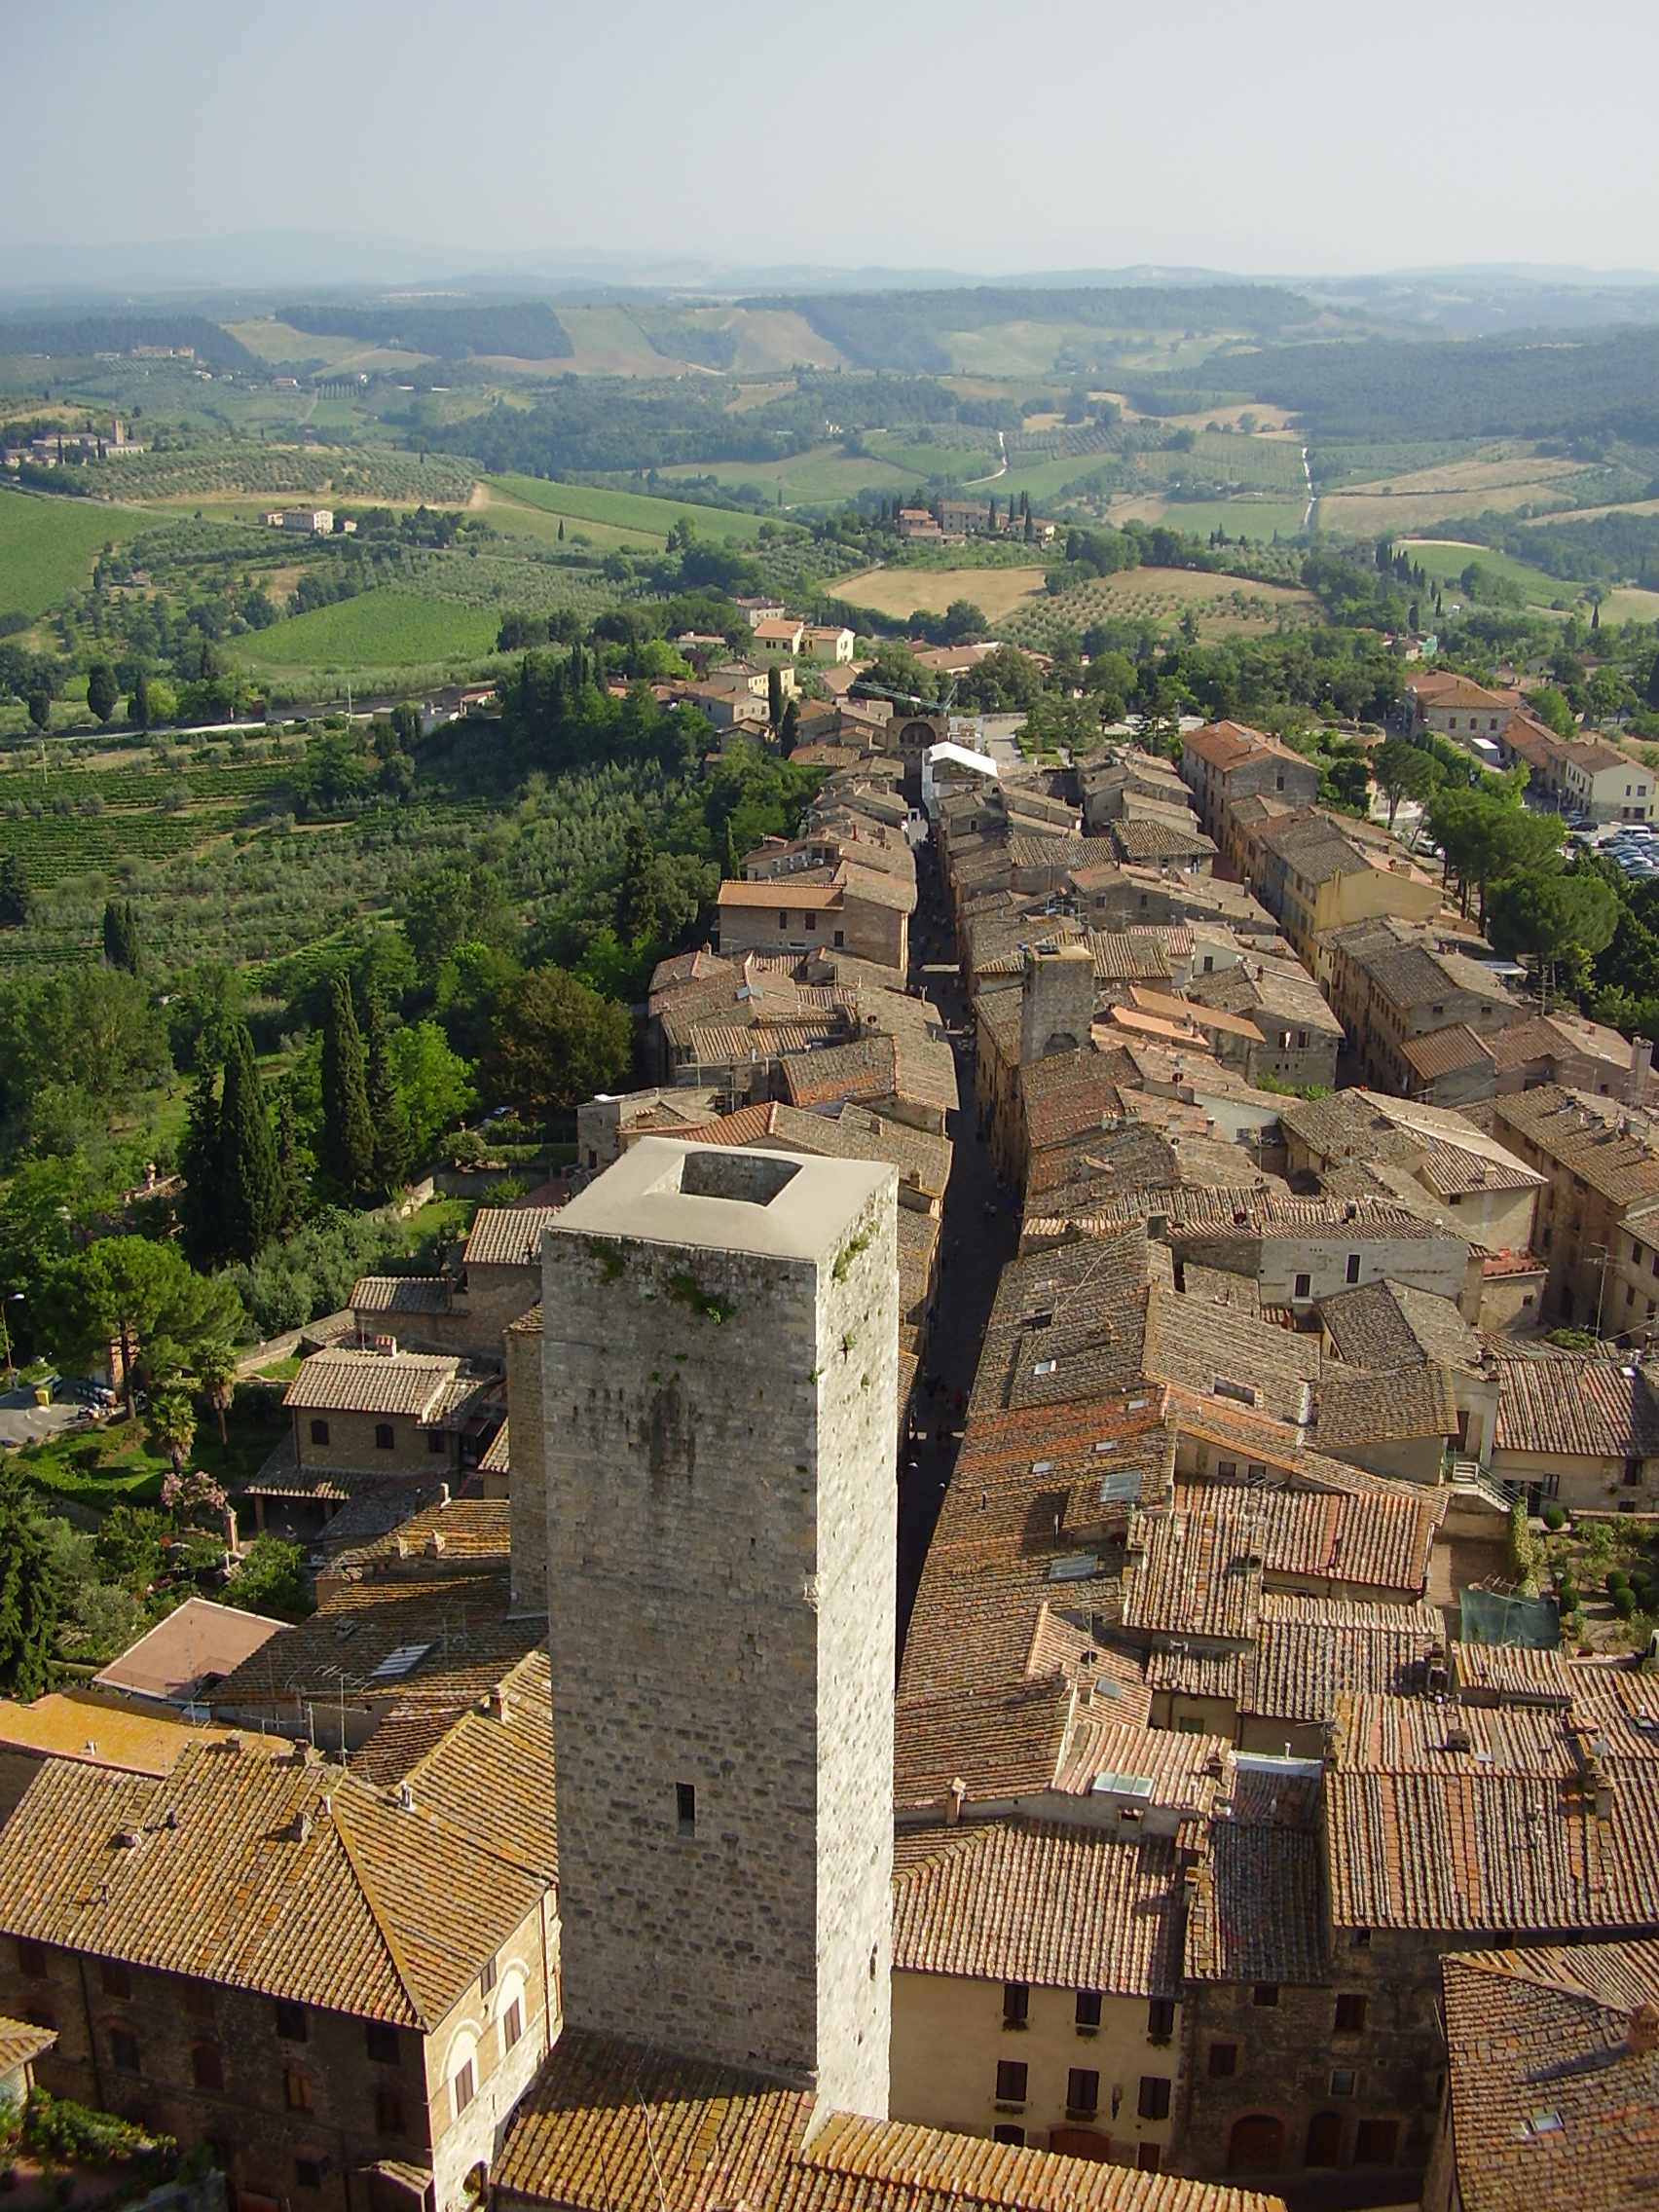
[(719, 1392)]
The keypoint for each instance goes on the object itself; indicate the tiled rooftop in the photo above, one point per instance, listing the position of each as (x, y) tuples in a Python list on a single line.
[(509, 1237), (371, 1382), (613, 2127), (1574, 1405), (1554, 2076), (271, 1875), (1058, 1907)]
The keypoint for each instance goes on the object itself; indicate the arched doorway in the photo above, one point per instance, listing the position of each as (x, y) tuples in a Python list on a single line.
[(1325, 2139), (1081, 2143), (1256, 2144)]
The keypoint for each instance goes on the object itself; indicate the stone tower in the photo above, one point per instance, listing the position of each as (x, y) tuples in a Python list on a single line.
[(1057, 1001), (720, 1395)]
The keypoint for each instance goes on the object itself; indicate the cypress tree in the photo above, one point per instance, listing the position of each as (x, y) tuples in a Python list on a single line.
[(248, 1196), (290, 1176), (198, 1162), (347, 1132), (385, 1106), (120, 936)]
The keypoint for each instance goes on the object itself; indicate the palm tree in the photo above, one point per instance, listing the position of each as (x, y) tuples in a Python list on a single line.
[(172, 1423), (218, 1372)]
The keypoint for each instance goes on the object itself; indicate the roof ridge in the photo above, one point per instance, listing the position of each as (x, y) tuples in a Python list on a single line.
[(394, 1948)]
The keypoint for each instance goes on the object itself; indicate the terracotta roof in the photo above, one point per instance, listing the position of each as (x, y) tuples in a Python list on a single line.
[(1314, 1649), (507, 1237), (189, 1650), (497, 1460), (1586, 1137), (616, 2127), (104, 1731), (371, 1382), (275, 1875), (1060, 1908), (1510, 1674), (1574, 1405), (1444, 688), (1554, 2076), (1489, 1852), (464, 1529), (20, 2043), (739, 1127), (488, 1771), (1448, 1051), (1356, 1409), (1388, 1325), (401, 1294), (1156, 838), (448, 1639), (1374, 1536), (1224, 745), (1256, 1916)]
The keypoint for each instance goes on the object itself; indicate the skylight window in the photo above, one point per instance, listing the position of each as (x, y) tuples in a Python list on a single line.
[(403, 1661)]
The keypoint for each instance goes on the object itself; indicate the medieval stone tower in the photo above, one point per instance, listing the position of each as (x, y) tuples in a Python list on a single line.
[(720, 1405)]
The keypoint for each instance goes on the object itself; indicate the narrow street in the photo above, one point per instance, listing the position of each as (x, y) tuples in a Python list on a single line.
[(975, 1248)]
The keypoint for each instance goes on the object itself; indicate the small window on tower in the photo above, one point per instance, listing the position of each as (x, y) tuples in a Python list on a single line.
[(685, 1807)]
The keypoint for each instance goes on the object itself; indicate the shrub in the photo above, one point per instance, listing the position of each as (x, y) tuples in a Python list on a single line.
[(1566, 1595), (1624, 1602), (61, 2129), (1616, 1581), (1523, 1552), (1554, 1516), (268, 1580)]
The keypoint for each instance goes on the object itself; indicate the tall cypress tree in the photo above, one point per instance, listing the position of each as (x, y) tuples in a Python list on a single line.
[(248, 1196), (385, 1106), (347, 1132), (120, 936), (198, 1163), (290, 1175)]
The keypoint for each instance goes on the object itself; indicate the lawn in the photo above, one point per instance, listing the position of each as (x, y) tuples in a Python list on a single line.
[(118, 1464), (623, 510), (48, 545), (378, 629), (897, 592)]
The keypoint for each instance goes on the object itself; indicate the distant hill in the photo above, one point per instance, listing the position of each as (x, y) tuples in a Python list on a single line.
[(1481, 388), (65, 337), (528, 332), (907, 330)]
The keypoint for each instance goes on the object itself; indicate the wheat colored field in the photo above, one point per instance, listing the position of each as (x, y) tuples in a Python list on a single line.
[(897, 592)]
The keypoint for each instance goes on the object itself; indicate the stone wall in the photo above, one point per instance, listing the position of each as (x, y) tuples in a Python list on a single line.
[(527, 1469), (351, 1446), (720, 1431)]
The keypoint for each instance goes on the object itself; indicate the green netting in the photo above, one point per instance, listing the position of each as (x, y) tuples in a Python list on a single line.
[(1487, 1617)]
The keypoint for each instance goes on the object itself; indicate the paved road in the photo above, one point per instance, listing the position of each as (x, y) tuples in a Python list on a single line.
[(23, 1421), (975, 1250)]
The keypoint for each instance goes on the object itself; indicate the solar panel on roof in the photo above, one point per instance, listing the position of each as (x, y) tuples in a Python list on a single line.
[(1079, 1566), (1123, 1784), (403, 1661)]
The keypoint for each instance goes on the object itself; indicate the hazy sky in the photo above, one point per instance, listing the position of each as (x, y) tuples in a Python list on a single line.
[(1277, 137)]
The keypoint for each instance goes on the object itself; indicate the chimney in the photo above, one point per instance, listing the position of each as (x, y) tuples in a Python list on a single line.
[(958, 1796), (1640, 1061), (1644, 2032), (387, 1346)]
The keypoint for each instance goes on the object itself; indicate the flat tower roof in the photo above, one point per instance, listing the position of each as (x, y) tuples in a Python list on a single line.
[(779, 1204)]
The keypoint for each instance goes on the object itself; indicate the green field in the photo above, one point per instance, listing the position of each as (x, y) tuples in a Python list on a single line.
[(1444, 562), (1257, 519), (378, 629), (623, 510), (824, 476), (48, 546)]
